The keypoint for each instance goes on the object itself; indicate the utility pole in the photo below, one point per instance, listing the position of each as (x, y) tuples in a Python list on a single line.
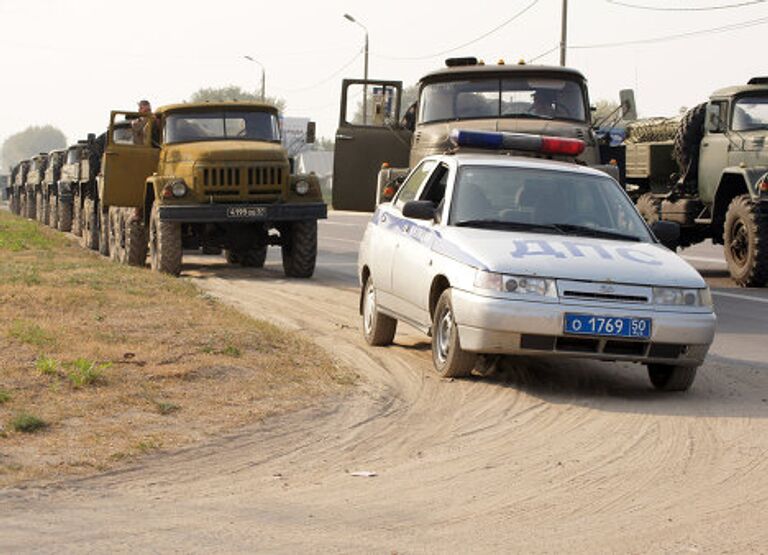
[(564, 32), (365, 70), (263, 77)]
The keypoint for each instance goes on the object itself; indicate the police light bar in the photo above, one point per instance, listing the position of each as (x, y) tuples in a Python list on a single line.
[(493, 140)]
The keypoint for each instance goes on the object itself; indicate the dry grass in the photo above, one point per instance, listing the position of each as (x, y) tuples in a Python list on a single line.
[(101, 363)]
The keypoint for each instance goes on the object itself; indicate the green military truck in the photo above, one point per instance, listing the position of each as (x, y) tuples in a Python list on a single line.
[(50, 195), (466, 94), (5, 187), (33, 185), (16, 186), (85, 196), (712, 178), (69, 184), (206, 175)]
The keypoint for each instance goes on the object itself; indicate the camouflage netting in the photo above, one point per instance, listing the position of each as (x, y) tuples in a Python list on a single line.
[(652, 129)]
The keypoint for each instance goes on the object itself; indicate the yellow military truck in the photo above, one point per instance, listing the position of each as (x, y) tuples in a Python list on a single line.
[(209, 175)]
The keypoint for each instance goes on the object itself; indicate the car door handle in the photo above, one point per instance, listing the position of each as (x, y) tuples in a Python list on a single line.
[(340, 137)]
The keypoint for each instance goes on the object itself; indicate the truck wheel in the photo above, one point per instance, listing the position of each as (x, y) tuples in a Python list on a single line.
[(164, 244), (666, 377), (31, 206), (53, 211), (90, 235), (745, 237), (65, 216), (115, 232), (687, 140), (299, 249), (449, 359), (77, 215), (47, 209), (135, 233), (378, 329), (39, 206), (253, 257), (232, 257), (104, 231), (649, 208)]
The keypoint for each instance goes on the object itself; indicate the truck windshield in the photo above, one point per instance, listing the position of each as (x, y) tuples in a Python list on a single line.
[(538, 200), (539, 98), (220, 126), (750, 112)]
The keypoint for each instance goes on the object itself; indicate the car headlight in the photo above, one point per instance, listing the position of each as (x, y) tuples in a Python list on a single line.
[(301, 187), (677, 296), (517, 285), (179, 188)]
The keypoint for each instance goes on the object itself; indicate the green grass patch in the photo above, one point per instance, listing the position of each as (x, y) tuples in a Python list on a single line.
[(5, 396), (18, 235), (27, 423), (231, 351), (47, 365), (30, 333), (84, 372)]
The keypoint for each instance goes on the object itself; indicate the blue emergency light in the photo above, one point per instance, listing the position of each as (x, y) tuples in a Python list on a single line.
[(496, 140)]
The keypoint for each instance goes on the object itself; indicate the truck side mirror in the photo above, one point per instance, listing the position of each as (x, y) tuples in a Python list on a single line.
[(311, 132), (628, 106), (668, 233)]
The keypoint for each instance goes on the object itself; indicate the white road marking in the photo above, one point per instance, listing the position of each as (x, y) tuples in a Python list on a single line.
[(742, 297)]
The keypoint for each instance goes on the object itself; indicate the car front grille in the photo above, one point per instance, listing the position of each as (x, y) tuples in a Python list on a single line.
[(604, 292), (620, 347)]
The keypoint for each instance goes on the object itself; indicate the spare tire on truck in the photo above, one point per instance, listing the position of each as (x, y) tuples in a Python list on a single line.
[(688, 140)]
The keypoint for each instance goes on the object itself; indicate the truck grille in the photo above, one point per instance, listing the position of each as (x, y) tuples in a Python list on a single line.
[(262, 182)]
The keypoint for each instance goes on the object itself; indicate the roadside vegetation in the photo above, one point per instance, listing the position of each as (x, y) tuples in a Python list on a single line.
[(101, 363)]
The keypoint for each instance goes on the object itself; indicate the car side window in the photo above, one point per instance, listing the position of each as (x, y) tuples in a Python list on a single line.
[(435, 188), (414, 182)]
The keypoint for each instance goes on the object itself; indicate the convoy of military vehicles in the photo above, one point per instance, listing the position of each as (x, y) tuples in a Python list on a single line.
[(213, 176)]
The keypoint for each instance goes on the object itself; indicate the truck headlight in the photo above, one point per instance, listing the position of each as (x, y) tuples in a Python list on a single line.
[(301, 187), (179, 188), (525, 286), (678, 296)]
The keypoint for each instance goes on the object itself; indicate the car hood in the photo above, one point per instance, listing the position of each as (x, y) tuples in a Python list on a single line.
[(567, 257)]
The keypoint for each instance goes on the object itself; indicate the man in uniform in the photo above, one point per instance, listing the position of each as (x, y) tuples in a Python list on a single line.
[(141, 126)]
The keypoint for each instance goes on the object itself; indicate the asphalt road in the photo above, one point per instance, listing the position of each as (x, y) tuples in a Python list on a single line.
[(742, 314)]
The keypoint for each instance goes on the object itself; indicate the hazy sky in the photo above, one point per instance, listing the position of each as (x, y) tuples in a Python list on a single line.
[(68, 63)]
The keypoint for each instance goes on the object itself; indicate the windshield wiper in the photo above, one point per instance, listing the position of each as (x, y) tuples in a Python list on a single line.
[(526, 115), (573, 229), (504, 224)]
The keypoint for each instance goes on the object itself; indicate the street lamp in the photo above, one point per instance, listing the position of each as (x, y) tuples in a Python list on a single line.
[(263, 77), (365, 72)]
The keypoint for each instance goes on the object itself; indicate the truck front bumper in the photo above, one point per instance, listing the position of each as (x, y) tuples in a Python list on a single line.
[(243, 213)]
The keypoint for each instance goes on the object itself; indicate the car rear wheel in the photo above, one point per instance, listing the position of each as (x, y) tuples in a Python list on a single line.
[(449, 359), (378, 329), (666, 377)]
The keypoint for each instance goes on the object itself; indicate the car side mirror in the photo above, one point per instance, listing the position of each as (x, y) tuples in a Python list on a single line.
[(419, 209), (668, 233)]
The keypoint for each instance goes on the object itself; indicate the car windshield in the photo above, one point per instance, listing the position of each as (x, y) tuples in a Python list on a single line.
[(535, 98), (750, 112), (217, 126), (538, 200)]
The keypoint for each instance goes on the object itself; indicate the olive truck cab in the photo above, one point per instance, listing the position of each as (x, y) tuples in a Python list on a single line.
[(210, 175)]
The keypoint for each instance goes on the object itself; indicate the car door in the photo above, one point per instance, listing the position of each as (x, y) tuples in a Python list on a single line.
[(386, 236), (126, 166), (411, 266), (368, 135)]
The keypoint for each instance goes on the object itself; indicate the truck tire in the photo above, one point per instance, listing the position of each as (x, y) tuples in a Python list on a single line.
[(23, 204), (449, 359), (65, 216), (299, 249), (232, 257), (47, 208), (164, 244), (745, 237), (378, 329), (53, 211), (253, 257), (90, 236), (136, 245), (77, 215), (39, 206), (649, 207), (31, 206), (104, 231), (687, 141), (115, 232), (667, 377)]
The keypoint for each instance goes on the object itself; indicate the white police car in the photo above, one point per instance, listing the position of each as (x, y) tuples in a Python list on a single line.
[(493, 254)]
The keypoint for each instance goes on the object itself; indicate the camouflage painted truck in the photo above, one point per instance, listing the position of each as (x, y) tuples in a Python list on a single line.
[(16, 187), (69, 182), (712, 178), (33, 185), (207, 175), (50, 195), (466, 94)]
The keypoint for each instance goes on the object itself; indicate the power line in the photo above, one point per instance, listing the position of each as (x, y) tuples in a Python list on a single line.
[(685, 9), (325, 79), (468, 43), (724, 28), (531, 60)]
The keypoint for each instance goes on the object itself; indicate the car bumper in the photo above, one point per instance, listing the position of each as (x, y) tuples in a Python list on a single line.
[(501, 326), (243, 213)]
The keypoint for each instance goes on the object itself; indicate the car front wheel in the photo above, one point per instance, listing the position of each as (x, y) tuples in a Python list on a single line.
[(378, 329), (449, 359), (667, 377)]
